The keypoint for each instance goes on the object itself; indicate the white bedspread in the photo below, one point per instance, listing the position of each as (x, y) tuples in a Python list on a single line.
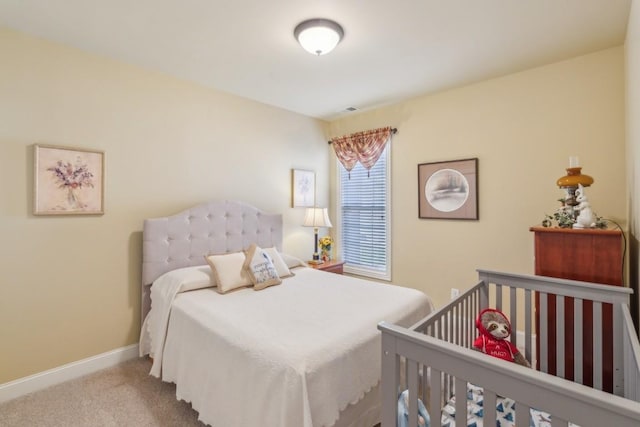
[(292, 355)]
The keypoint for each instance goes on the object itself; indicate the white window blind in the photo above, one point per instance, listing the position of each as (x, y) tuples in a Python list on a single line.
[(364, 211)]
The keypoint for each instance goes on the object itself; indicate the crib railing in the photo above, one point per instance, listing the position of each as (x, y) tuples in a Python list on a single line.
[(631, 351), (421, 358)]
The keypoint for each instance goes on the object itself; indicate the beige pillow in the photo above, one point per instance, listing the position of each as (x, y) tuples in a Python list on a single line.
[(260, 267), (228, 271), (281, 267), (292, 261)]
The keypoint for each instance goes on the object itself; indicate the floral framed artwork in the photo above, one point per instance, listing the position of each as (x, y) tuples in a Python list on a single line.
[(448, 190), (303, 188), (68, 181)]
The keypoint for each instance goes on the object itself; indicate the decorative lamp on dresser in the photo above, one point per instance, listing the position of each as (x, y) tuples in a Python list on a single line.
[(589, 255)]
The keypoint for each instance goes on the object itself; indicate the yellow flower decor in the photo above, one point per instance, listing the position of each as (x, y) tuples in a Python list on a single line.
[(325, 246), (325, 243)]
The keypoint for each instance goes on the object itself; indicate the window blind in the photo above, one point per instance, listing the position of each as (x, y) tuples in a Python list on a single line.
[(364, 201)]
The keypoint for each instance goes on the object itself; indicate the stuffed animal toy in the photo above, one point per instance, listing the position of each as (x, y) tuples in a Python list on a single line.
[(494, 328)]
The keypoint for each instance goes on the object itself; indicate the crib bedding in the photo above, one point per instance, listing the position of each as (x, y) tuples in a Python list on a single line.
[(505, 412), (291, 355)]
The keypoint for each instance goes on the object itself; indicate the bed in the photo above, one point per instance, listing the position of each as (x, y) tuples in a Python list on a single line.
[(301, 353), (433, 365)]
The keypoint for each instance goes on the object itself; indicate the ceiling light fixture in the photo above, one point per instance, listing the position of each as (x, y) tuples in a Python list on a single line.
[(318, 36)]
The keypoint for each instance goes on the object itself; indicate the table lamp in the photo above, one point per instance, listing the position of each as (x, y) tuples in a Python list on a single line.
[(570, 183), (316, 218)]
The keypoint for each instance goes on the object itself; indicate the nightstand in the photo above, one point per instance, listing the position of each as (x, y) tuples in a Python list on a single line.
[(332, 266)]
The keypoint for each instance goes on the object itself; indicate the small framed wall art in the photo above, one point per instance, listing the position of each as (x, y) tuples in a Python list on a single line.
[(303, 188), (448, 190), (68, 181)]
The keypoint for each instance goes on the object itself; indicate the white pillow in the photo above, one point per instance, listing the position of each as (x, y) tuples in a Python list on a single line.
[(228, 271), (281, 267), (260, 267), (191, 278)]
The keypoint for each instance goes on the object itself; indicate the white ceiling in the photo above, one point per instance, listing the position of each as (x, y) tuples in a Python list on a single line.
[(392, 49)]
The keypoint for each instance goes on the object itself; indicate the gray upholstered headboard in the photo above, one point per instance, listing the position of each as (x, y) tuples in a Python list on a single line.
[(217, 227)]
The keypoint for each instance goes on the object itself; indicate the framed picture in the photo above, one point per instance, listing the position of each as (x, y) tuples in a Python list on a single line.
[(68, 181), (448, 190), (303, 188)]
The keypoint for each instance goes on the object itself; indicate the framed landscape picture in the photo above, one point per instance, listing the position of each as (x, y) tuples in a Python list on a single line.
[(448, 190), (68, 181)]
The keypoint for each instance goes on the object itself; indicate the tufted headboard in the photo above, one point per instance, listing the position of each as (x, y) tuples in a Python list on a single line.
[(217, 227)]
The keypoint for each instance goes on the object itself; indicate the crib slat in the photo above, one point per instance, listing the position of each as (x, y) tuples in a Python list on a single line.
[(597, 345), (523, 414), (461, 402), (578, 343), (489, 406), (473, 310), (465, 322), (527, 325), (454, 325), (544, 333), (447, 329), (413, 392), (435, 387), (404, 376), (499, 297), (560, 326), (513, 312), (618, 353), (461, 323)]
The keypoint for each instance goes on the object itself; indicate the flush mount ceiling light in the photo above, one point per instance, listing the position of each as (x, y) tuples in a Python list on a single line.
[(318, 36)]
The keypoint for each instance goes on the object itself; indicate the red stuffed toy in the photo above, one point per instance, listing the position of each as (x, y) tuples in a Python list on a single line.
[(494, 328)]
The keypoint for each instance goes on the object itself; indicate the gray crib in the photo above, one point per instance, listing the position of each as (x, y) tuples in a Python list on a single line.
[(433, 358)]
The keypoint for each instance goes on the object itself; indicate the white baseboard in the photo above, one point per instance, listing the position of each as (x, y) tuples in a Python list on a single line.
[(42, 380)]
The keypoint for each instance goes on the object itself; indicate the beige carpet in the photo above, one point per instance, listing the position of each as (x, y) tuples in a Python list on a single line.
[(124, 395)]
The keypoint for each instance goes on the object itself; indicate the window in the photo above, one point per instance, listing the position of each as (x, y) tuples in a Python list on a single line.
[(364, 200)]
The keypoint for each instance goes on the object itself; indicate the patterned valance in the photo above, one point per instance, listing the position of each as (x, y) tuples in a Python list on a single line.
[(364, 147)]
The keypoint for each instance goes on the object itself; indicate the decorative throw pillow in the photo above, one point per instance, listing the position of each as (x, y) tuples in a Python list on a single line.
[(228, 271), (281, 267), (260, 267)]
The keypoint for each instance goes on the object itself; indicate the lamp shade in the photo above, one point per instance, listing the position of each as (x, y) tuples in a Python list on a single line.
[(573, 178), (318, 36), (316, 217)]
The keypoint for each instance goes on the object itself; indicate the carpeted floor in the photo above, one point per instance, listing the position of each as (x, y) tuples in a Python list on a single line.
[(124, 395)]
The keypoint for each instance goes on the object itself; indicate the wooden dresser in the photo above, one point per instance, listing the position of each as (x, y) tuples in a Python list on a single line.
[(590, 255)]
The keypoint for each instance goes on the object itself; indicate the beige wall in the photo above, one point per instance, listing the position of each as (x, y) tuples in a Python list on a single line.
[(632, 55), (70, 285), (523, 128)]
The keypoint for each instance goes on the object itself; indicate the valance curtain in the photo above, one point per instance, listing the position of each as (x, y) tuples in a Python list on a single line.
[(364, 147)]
